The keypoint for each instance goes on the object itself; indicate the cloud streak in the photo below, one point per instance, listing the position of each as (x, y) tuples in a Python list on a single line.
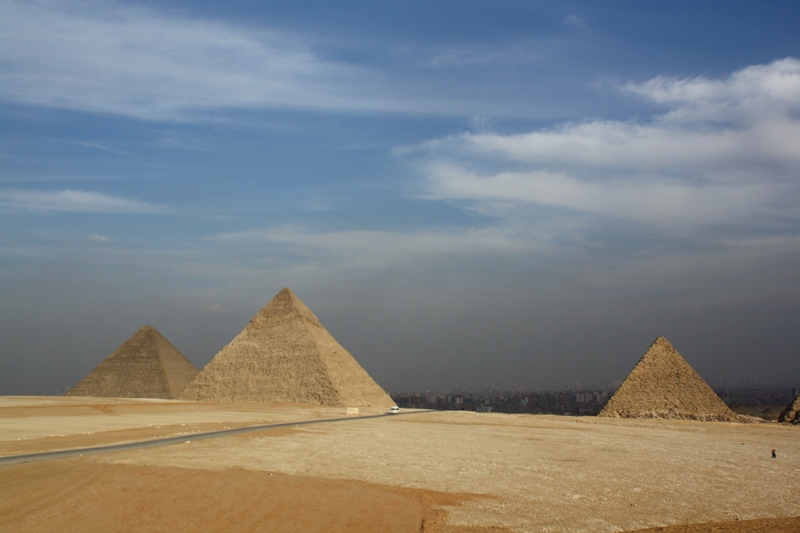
[(365, 249), (110, 58), (71, 201), (114, 57), (723, 152)]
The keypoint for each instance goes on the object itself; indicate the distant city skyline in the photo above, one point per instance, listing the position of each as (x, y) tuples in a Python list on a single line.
[(476, 194)]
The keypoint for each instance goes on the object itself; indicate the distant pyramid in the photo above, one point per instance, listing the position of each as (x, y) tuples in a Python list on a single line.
[(144, 366), (663, 385), (286, 355), (791, 415)]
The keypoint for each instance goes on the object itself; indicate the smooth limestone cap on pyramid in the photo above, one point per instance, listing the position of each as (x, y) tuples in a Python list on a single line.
[(663, 385), (285, 355), (144, 366)]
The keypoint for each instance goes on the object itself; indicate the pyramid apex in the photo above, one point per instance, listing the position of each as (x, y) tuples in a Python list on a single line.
[(661, 341), (662, 348), (150, 333), (286, 294), (284, 304)]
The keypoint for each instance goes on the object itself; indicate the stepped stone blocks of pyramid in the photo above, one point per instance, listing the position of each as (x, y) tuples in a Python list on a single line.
[(285, 355), (144, 366), (663, 385), (791, 415)]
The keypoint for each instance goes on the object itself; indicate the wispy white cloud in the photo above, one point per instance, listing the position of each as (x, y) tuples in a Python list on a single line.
[(656, 201), (213, 309), (601, 202), (95, 237), (73, 202), (114, 58), (99, 146), (723, 151), (574, 21), (366, 248), (515, 53), (746, 96), (118, 58)]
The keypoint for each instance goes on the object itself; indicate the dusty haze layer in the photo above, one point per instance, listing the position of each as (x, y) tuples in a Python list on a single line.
[(525, 473)]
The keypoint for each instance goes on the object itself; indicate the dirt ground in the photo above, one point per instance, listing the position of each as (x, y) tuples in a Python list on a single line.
[(426, 471), (80, 495)]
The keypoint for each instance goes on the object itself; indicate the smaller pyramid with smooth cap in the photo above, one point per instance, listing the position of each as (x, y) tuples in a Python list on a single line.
[(663, 385), (791, 415), (285, 355), (144, 366)]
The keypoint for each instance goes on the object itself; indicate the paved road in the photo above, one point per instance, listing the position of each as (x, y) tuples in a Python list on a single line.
[(44, 456)]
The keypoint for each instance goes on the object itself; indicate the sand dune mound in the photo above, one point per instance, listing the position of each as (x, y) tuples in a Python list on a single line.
[(285, 355), (144, 366), (791, 415), (663, 385)]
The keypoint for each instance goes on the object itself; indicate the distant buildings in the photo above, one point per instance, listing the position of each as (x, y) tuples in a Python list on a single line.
[(531, 402), (751, 401)]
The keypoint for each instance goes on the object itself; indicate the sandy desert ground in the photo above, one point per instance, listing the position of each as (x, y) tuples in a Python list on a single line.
[(425, 471)]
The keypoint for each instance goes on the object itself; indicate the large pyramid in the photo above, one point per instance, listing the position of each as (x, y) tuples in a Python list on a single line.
[(285, 355), (663, 385), (144, 366), (791, 415)]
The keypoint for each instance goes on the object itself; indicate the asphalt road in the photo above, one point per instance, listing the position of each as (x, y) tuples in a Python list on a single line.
[(45, 456)]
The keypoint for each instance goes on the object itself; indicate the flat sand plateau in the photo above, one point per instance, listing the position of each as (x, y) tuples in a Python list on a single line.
[(424, 471)]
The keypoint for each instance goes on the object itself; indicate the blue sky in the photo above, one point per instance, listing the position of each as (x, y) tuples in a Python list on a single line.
[(466, 193)]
